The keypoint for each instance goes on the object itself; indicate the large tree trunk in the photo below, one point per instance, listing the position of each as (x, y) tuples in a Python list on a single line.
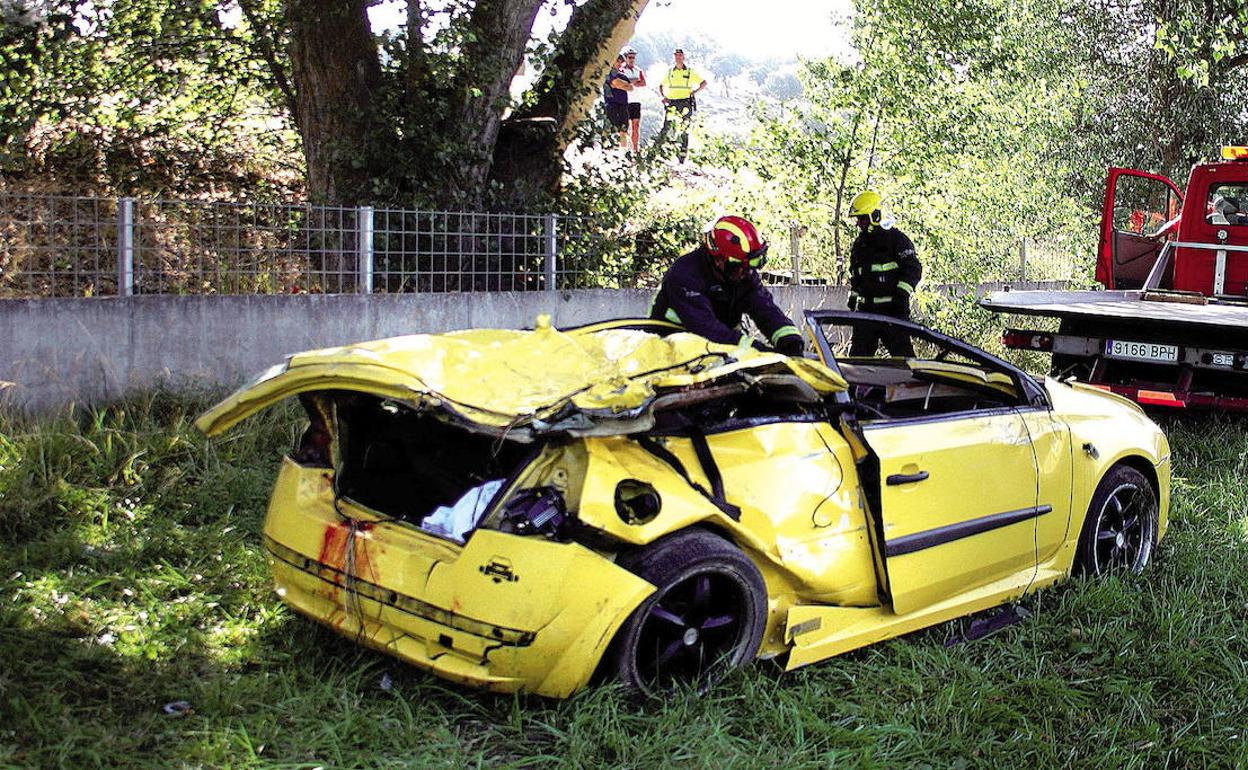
[(336, 72), (499, 32), (528, 158), (336, 81)]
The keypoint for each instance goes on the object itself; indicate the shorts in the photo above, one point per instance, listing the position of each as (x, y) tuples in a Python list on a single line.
[(617, 114), (634, 110)]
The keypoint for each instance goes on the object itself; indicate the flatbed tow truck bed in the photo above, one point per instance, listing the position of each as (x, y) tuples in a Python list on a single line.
[(1129, 306), (1171, 327)]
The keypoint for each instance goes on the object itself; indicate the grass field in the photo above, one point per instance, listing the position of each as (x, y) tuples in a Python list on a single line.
[(131, 577)]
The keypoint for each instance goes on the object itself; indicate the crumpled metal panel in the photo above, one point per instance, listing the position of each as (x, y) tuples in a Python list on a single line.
[(523, 384)]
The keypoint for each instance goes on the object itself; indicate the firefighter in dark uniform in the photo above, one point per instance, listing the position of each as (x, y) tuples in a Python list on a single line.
[(883, 273), (709, 290)]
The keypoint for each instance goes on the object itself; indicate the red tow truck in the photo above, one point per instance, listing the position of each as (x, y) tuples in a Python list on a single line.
[(1170, 327)]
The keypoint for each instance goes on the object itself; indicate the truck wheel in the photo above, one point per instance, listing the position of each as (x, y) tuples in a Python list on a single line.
[(706, 618), (1120, 530)]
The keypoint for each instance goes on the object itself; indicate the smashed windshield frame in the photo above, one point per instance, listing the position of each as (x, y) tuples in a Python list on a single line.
[(946, 348)]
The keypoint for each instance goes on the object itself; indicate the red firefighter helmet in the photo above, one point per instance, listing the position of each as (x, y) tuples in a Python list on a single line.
[(735, 245)]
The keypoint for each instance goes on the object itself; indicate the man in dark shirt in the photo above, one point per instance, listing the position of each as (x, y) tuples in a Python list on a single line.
[(709, 290), (615, 90), (883, 273)]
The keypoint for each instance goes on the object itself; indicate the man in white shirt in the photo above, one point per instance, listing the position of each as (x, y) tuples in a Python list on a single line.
[(638, 78)]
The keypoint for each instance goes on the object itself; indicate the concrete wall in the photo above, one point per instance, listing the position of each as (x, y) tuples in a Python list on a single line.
[(57, 351)]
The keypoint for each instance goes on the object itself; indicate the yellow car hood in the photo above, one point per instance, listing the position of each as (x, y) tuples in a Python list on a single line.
[(521, 384)]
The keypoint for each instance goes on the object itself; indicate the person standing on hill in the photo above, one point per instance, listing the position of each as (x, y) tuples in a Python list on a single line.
[(637, 76), (615, 99), (883, 272), (679, 91)]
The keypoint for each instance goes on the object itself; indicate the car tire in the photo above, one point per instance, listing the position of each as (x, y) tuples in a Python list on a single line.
[(706, 618), (1120, 531)]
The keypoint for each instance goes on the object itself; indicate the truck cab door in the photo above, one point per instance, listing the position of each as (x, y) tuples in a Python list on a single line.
[(1137, 205)]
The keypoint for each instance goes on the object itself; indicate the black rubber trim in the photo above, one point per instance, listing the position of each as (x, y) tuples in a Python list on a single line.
[(712, 473), (906, 478), (947, 534), (711, 469), (732, 424)]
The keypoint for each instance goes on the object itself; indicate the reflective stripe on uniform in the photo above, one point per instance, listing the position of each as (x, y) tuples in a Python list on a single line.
[(685, 90), (673, 317), (884, 267), (783, 331), (907, 288), (745, 340), (881, 300)]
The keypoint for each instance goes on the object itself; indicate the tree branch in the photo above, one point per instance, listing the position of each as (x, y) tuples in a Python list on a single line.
[(583, 53), (417, 66), (268, 53), (498, 33), (1234, 62)]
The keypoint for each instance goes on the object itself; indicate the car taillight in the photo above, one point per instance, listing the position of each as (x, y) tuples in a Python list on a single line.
[(1025, 340)]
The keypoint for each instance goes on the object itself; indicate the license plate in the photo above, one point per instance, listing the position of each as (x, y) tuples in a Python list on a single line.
[(1141, 351)]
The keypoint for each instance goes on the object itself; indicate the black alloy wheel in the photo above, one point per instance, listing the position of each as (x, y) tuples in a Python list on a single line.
[(706, 617), (1120, 530)]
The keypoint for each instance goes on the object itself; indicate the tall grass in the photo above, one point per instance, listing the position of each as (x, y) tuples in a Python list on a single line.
[(131, 577)]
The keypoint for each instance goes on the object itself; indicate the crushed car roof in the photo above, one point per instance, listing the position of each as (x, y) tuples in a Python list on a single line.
[(603, 380)]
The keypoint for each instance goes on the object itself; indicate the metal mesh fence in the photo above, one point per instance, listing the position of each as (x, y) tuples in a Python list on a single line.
[(213, 248), (58, 246), (53, 246), (75, 246)]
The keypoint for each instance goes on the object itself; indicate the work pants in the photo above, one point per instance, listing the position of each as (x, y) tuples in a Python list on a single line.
[(678, 112), (867, 337)]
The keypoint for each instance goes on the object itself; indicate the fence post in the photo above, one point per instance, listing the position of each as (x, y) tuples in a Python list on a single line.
[(364, 248), (552, 249), (795, 249), (125, 247), (1022, 260)]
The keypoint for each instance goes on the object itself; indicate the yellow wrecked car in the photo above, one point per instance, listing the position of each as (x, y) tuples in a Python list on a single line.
[(520, 510)]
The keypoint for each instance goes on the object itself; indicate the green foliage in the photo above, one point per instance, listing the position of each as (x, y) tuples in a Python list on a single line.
[(138, 96), (1207, 41), (1162, 90), (638, 230), (147, 585)]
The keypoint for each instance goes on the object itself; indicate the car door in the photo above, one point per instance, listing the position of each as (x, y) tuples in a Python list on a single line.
[(958, 500), (971, 469), (1136, 206)]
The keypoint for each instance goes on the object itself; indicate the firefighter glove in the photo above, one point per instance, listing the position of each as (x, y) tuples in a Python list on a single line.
[(790, 345)]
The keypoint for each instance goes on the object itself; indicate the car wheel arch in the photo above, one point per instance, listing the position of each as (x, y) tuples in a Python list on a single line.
[(1144, 466)]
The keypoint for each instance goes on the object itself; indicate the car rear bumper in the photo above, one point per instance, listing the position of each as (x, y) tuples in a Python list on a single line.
[(502, 612)]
